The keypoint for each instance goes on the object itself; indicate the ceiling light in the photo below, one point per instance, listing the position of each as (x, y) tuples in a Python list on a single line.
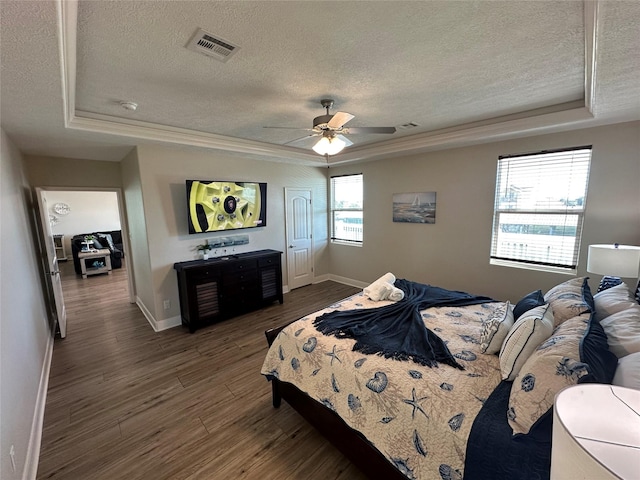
[(329, 145)]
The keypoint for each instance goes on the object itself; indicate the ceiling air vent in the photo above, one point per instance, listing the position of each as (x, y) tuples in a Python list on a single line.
[(216, 47), (406, 126)]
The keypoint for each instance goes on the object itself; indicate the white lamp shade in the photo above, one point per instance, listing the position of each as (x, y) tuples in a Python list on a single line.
[(322, 146), (617, 261), (329, 146)]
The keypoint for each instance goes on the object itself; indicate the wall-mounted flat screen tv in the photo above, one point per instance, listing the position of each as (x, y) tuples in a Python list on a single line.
[(218, 206)]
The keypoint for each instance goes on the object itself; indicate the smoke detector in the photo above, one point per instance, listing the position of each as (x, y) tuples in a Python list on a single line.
[(211, 45), (131, 106)]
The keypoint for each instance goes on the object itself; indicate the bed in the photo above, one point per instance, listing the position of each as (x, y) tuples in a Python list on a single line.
[(409, 419)]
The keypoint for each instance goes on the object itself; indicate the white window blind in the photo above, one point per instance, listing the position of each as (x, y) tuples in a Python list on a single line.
[(346, 208), (539, 207)]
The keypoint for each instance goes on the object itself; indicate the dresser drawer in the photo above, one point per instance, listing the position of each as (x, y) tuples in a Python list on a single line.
[(268, 261), (237, 267)]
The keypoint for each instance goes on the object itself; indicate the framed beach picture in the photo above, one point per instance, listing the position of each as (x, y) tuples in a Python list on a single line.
[(414, 207)]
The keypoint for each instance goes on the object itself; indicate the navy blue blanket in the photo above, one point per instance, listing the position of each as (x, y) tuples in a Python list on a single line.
[(493, 453), (397, 330)]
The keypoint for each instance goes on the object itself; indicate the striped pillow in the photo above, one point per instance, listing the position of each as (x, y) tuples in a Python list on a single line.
[(531, 329)]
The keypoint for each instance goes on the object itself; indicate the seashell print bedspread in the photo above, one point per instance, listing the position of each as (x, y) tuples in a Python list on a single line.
[(418, 417)]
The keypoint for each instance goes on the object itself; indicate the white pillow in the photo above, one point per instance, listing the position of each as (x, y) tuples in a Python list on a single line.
[(623, 331), (612, 300), (495, 329), (628, 372), (531, 329)]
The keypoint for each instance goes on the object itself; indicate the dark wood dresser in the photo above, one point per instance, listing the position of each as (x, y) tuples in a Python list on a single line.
[(223, 287)]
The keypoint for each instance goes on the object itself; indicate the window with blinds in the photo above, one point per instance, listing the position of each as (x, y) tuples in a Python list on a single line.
[(539, 208), (346, 209)]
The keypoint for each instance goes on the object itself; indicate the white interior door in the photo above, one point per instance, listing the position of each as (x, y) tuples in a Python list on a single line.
[(299, 237), (52, 273)]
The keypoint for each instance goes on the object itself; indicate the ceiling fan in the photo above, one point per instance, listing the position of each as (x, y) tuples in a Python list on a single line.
[(332, 130)]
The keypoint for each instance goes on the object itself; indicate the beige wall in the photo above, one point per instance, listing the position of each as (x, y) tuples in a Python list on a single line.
[(454, 253), (139, 262), (72, 172), (25, 334), (163, 172)]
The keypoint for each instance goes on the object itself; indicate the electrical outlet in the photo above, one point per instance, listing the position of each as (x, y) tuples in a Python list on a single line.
[(167, 304), (12, 455)]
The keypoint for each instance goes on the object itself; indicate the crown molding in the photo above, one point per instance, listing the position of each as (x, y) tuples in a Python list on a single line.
[(478, 132), (468, 135), (590, 53), (91, 122), (67, 14)]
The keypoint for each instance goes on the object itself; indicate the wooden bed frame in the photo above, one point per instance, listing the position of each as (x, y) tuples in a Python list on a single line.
[(351, 443)]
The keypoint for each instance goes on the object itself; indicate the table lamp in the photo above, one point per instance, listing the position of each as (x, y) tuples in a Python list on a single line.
[(613, 261)]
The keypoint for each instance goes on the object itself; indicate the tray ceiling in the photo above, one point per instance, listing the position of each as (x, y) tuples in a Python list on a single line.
[(462, 72)]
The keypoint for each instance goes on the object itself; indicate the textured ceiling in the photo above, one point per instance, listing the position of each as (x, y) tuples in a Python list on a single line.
[(436, 64)]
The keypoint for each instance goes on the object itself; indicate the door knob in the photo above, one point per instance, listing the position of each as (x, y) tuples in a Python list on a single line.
[(291, 246)]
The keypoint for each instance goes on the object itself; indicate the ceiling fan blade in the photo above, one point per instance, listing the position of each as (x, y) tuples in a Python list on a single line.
[(302, 140), (370, 130), (292, 128), (347, 142), (339, 119)]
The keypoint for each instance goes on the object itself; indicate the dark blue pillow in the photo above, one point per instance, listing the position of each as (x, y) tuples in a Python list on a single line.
[(587, 296), (608, 282), (526, 303), (594, 351)]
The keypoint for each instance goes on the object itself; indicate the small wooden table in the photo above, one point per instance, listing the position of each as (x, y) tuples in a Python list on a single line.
[(103, 254)]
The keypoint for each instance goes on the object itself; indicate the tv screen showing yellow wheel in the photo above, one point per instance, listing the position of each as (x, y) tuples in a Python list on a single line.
[(217, 206)]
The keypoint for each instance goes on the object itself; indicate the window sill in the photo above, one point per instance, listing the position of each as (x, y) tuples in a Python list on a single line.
[(348, 244), (538, 268)]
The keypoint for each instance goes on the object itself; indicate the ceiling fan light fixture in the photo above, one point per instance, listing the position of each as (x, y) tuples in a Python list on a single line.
[(329, 146)]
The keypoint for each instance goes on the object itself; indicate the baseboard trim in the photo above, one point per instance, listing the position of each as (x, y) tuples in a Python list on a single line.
[(161, 325), (348, 281), (35, 438), (321, 278), (168, 323), (344, 280)]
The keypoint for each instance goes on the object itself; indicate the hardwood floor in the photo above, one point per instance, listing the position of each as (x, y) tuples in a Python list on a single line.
[(125, 402)]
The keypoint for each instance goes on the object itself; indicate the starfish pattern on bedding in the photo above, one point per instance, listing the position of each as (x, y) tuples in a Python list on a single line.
[(415, 403), (334, 355)]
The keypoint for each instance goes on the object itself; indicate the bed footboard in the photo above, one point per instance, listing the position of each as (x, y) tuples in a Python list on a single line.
[(350, 443), (271, 335), (275, 393)]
